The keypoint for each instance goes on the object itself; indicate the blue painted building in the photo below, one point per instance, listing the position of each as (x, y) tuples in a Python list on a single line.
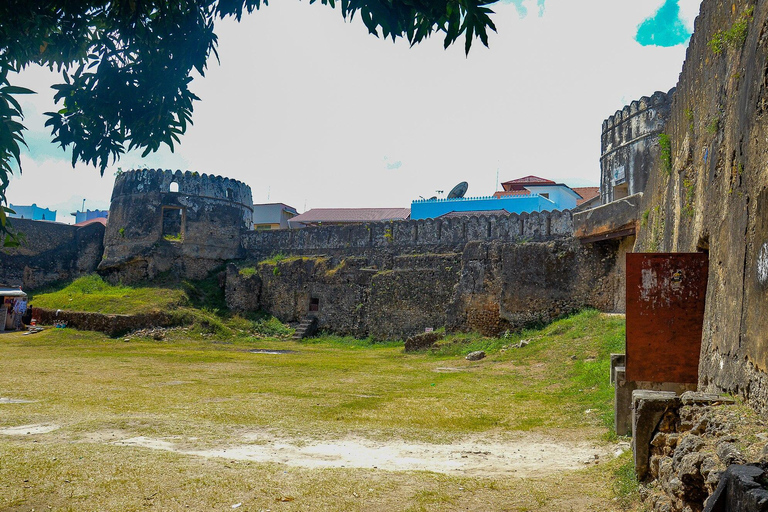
[(33, 212), (434, 208), (523, 195)]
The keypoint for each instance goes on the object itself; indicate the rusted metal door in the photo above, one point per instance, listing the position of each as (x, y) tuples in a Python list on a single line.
[(665, 313)]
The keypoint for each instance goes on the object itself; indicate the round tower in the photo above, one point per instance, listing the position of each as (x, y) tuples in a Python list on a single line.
[(629, 145), (186, 222)]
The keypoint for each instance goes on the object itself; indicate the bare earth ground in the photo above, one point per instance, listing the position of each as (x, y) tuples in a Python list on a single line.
[(527, 455)]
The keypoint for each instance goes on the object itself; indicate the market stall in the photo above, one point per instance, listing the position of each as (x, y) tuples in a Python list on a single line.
[(13, 305)]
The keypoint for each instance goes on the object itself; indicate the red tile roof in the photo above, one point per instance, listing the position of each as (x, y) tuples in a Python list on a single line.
[(520, 183), (100, 220), (586, 193), (350, 215)]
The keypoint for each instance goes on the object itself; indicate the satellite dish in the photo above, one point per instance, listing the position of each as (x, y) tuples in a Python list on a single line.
[(458, 191)]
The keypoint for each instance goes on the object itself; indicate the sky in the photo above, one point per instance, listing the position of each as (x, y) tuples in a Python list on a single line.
[(313, 112)]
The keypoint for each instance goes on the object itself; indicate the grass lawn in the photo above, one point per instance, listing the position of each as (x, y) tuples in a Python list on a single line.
[(206, 395)]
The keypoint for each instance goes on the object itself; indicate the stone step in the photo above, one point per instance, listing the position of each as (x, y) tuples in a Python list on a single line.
[(306, 327)]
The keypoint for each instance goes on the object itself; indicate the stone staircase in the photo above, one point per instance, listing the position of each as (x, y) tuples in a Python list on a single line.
[(307, 327)]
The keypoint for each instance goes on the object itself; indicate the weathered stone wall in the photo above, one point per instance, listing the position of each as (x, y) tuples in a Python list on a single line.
[(50, 252), (629, 144), (488, 286), (381, 241), (213, 211), (716, 197), (509, 286)]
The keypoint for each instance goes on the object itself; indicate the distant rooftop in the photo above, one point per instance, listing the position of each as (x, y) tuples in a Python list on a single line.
[(586, 193), (350, 215), (521, 183), (98, 220)]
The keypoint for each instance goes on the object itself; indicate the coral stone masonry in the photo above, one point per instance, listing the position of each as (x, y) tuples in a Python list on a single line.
[(163, 220)]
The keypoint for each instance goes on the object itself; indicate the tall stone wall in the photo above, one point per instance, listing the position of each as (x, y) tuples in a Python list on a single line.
[(488, 286), (381, 241), (154, 228), (715, 198), (50, 252), (629, 144)]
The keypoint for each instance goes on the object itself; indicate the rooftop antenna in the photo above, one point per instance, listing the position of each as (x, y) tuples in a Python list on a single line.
[(497, 179), (458, 191), (269, 191)]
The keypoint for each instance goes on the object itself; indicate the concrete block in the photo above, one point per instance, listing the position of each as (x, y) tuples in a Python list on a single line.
[(648, 408), (617, 360), (622, 409), (622, 406)]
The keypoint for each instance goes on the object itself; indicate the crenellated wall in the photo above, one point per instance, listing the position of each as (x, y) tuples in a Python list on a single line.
[(629, 145), (162, 220), (378, 240)]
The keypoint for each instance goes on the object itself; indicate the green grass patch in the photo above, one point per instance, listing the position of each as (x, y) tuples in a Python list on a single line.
[(92, 293), (197, 304)]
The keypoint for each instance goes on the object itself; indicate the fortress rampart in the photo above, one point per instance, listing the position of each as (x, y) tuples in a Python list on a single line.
[(629, 145), (409, 236)]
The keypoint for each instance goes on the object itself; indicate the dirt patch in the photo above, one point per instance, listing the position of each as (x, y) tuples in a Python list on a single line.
[(15, 401), (527, 455), (448, 370), (26, 430)]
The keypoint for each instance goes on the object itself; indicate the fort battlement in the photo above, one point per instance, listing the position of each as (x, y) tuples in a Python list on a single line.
[(644, 104), (144, 181), (629, 145), (407, 236)]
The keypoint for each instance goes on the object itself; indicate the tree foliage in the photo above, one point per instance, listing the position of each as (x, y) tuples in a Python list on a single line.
[(127, 65)]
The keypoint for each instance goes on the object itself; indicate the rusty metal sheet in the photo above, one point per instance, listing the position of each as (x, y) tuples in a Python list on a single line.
[(665, 312)]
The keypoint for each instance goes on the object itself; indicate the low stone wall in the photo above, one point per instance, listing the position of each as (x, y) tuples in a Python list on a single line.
[(50, 252), (113, 325), (683, 444)]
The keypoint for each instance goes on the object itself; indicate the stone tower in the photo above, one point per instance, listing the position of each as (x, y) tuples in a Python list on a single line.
[(183, 222), (629, 145)]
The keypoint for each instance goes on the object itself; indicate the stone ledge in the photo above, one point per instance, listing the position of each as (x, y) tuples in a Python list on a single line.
[(113, 325), (613, 220)]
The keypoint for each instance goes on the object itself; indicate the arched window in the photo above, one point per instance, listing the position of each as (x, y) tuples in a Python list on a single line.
[(230, 194), (174, 186)]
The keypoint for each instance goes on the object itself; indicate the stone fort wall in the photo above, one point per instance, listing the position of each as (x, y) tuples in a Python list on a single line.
[(715, 199), (383, 239), (629, 145), (50, 252)]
